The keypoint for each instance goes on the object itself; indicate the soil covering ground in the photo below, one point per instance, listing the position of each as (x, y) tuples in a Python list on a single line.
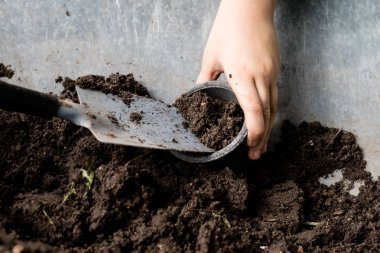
[(63, 191)]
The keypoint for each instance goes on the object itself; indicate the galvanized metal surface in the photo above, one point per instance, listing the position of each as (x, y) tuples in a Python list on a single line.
[(330, 52), (331, 65)]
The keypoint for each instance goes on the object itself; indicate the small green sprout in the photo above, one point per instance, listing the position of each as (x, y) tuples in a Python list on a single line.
[(137, 157), (224, 219), (312, 223), (71, 192), (88, 173), (49, 219)]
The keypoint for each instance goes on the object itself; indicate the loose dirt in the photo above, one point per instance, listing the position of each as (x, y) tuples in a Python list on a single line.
[(6, 71), (136, 117), (116, 84), (63, 191), (216, 122)]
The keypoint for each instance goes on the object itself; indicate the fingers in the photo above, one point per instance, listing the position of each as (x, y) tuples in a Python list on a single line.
[(258, 98), (250, 101), (273, 110), (263, 90)]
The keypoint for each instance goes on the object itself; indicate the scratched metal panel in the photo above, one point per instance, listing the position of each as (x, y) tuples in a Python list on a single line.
[(331, 67), (157, 40), (330, 52)]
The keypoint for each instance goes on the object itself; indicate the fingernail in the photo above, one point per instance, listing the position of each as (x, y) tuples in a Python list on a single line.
[(256, 154)]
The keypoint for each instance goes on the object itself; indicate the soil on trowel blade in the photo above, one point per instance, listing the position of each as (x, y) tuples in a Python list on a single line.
[(6, 71), (63, 191), (216, 122), (122, 86), (136, 117)]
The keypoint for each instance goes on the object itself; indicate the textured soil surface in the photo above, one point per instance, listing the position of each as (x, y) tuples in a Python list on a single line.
[(63, 191), (116, 84), (216, 122)]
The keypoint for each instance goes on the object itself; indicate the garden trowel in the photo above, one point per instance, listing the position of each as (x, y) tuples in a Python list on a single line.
[(141, 122)]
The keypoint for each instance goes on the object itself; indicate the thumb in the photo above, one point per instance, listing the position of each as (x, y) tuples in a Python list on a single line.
[(210, 71)]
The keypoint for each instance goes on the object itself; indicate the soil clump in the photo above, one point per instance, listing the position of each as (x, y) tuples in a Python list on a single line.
[(136, 117), (6, 71), (63, 191), (116, 84)]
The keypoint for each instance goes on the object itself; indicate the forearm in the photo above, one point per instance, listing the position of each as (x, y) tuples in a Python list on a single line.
[(250, 10), (245, 18)]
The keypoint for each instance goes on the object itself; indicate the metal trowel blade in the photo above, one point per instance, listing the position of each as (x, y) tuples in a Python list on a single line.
[(160, 126)]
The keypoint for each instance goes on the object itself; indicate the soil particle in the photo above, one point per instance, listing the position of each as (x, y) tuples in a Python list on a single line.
[(185, 124), (90, 115), (136, 117), (59, 79), (6, 71), (113, 119), (148, 201), (216, 122)]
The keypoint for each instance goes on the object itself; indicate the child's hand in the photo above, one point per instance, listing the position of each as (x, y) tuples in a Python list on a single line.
[(243, 45)]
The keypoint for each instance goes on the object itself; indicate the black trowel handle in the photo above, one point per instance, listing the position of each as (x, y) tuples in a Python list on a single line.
[(18, 99)]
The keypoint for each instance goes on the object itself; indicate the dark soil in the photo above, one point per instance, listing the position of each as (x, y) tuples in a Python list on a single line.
[(216, 122), (136, 117), (63, 191), (6, 71), (59, 79), (120, 85)]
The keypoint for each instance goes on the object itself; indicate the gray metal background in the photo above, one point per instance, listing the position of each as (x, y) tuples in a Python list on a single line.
[(330, 52)]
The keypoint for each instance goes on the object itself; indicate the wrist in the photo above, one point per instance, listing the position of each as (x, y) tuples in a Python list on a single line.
[(258, 10)]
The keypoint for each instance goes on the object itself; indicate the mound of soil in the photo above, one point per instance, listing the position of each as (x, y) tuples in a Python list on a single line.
[(62, 190), (216, 122)]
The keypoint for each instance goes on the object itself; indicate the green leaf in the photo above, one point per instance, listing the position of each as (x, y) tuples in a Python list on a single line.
[(88, 173), (71, 192)]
